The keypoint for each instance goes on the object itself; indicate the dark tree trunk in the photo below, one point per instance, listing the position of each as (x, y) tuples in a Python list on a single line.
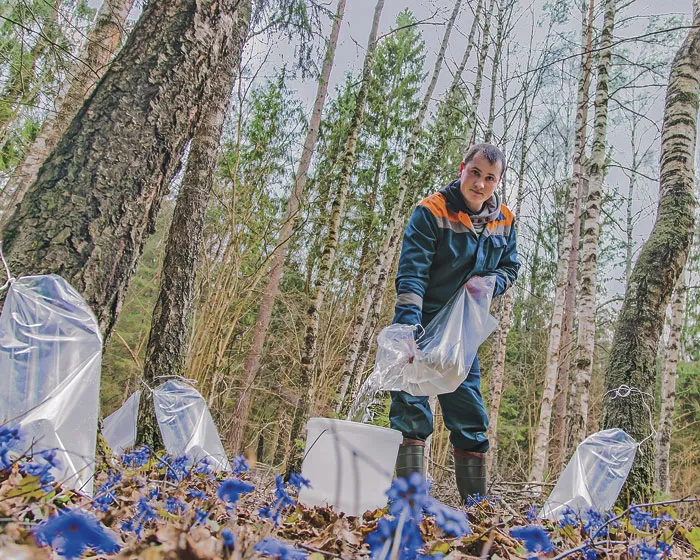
[(96, 197), (166, 351), (636, 339)]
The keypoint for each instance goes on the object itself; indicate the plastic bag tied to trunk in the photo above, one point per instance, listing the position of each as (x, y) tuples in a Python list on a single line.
[(50, 355), (119, 428), (441, 358), (594, 476), (187, 426)]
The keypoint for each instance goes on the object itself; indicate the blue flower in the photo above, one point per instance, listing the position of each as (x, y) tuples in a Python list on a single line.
[(196, 494), (203, 466), (380, 540), (273, 547), (593, 520), (665, 548), (200, 516), (138, 457), (298, 481), (73, 532), (408, 493), (231, 489), (106, 493), (531, 514), (645, 552), (154, 493), (144, 514), (41, 465), (282, 498), (589, 553), (9, 442), (535, 538), (568, 518), (240, 465), (228, 537), (174, 506), (270, 512), (453, 521)]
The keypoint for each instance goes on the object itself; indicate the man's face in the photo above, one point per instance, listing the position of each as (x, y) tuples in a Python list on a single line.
[(477, 180)]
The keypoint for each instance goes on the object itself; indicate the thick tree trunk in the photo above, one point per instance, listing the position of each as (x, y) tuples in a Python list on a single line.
[(668, 389), (97, 195), (166, 351), (660, 264), (251, 365), (100, 47), (307, 378), (566, 262), (385, 254), (583, 366)]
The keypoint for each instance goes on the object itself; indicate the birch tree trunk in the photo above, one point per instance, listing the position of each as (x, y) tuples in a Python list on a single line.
[(166, 350), (583, 366), (100, 47), (662, 479), (96, 197), (387, 251), (566, 346), (660, 264), (307, 379), (472, 110), (251, 365), (566, 262)]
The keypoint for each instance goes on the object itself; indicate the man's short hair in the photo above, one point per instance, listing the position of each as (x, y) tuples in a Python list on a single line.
[(489, 151)]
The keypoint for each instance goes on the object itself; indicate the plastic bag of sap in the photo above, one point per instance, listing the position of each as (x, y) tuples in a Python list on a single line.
[(594, 476), (443, 356), (119, 428), (50, 355), (187, 426)]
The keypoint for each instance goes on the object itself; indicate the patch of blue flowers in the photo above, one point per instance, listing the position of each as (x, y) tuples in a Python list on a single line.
[(409, 502), (72, 532), (282, 497), (535, 539), (275, 548)]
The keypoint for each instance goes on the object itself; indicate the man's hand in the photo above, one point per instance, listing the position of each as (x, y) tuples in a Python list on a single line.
[(479, 286)]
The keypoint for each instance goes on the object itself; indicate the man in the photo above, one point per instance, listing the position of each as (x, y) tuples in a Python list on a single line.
[(458, 233)]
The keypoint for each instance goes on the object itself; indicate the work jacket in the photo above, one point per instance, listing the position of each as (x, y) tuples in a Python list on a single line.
[(441, 250)]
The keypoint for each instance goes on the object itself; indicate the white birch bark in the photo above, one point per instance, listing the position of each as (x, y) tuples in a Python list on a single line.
[(583, 366), (541, 445), (662, 479)]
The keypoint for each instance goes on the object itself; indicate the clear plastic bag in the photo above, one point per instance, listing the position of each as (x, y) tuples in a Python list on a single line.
[(119, 428), (441, 359), (50, 355), (594, 476), (187, 426)]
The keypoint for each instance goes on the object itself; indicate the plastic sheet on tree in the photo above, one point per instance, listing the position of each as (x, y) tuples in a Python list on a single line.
[(443, 356), (50, 354), (594, 476), (119, 428), (187, 426)]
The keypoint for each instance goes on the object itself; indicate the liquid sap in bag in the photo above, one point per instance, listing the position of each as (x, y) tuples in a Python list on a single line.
[(187, 426), (119, 428), (442, 357), (50, 355), (594, 476)]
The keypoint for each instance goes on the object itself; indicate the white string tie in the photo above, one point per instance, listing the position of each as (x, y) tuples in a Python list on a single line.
[(624, 391)]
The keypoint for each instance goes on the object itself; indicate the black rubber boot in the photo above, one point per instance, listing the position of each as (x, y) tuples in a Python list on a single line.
[(410, 458), (470, 473)]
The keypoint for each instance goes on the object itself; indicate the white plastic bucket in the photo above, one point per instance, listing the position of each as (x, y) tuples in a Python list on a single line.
[(349, 465)]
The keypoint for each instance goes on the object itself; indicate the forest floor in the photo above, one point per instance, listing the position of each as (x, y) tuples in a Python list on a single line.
[(157, 507)]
